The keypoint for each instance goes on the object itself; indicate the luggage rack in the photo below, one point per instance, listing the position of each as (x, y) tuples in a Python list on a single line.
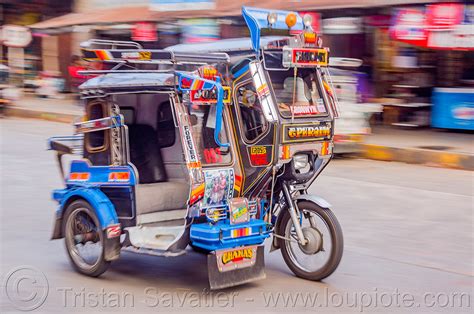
[(132, 54)]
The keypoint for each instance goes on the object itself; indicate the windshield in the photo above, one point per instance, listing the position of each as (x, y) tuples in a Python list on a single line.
[(298, 95)]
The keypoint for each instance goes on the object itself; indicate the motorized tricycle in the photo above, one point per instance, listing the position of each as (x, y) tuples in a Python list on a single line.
[(215, 152)]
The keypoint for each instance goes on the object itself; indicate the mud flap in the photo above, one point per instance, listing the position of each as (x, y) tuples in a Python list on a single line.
[(236, 271)]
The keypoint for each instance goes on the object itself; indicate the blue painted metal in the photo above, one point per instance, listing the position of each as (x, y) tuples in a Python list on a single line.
[(103, 207), (219, 235), (99, 175), (257, 19), (208, 85), (241, 71), (219, 111), (453, 108)]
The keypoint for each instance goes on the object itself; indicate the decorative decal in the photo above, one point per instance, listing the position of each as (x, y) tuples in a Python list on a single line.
[(231, 259), (113, 231), (238, 183), (260, 155), (236, 256), (190, 148), (208, 72), (136, 55), (119, 176), (79, 176), (303, 110), (218, 186), (306, 132), (196, 194), (305, 57), (238, 208), (209, 96)]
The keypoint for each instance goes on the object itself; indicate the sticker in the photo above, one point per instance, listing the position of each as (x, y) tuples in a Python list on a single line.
[(208, 72), (79, 176), (310, 57), (208, 96), (306, 132), (258, 156), (119, 177), (188, 138), (303, 110), (242, 232), (238, 183), (136, 55), (320, 105), (113, 231), (186, 82), (236, 258), (197, 194), (97, 124), (325, 148), (263, 91), (218, 186), (239, 212)]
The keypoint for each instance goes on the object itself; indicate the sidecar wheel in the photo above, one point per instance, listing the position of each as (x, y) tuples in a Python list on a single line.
[(322, 254), (84, 239)]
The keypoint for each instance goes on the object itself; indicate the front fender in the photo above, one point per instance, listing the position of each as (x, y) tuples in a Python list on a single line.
[(321, 202), (101, 204)]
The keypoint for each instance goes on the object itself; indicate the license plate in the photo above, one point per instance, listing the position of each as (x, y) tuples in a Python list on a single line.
[(231, 259)]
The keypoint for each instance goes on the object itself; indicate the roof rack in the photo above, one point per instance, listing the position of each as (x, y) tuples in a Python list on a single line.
[(113, 44), (114, 52)]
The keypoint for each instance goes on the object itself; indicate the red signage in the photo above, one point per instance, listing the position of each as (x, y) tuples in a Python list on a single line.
[(410, 27), (444, 16), (144, 31)]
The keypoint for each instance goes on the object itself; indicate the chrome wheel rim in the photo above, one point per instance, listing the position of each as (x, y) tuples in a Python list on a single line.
[(84, 239), (312, 257)]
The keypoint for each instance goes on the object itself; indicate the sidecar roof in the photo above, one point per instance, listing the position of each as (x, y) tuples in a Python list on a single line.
[(225, 45), (128, 80)]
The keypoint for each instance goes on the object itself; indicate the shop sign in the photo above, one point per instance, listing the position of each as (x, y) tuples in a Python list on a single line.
[(410, 26), (144, 31), (15, 36), (342, 25), (182, 5), (462, 37), (444, 16), (200, 31)]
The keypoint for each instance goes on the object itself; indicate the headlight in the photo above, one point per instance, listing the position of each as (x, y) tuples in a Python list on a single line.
[(300, 161)]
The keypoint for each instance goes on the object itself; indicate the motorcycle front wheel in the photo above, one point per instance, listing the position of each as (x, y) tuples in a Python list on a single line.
[(322, 253)]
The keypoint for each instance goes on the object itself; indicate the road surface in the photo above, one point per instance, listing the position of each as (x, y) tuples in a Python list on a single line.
[(408, 246)]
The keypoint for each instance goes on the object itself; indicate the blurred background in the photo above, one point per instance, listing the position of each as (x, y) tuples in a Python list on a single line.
[(404, 76), (413, 67)]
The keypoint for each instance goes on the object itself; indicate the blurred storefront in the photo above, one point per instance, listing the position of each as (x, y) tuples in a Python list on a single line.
[(352, 29), (427, 51), (26, 63)]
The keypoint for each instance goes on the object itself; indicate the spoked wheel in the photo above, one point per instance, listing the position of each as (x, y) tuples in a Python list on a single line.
[(321, 254), (84, 239)]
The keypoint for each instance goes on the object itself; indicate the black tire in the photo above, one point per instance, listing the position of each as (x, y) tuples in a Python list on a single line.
[(336, 239), (101, 265)]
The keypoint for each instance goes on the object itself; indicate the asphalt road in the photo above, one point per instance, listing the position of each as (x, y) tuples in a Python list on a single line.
[(408, 245)]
